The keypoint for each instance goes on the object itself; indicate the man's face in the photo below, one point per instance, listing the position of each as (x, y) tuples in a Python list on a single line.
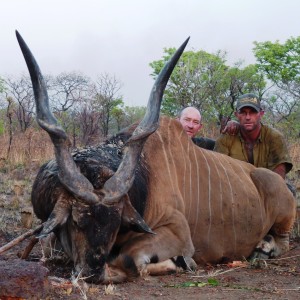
[(249, 118), (190, 120)]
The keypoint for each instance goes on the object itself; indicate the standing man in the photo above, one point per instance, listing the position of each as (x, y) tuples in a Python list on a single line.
[(255, 143), (190, 119)]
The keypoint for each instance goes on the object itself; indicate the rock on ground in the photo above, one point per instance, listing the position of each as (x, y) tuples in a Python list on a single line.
[(23, 279)]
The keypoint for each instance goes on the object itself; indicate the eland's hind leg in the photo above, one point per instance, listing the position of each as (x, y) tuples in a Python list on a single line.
[(280, 206)]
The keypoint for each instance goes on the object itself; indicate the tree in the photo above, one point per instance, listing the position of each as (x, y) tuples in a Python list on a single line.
[(133, 114), (237, 81), (119, 116), (281, 65), (10, 130), (68, 89), (88, 120), (106, 98), (1, 85), (189, 83), (20, 91), (205, 81)]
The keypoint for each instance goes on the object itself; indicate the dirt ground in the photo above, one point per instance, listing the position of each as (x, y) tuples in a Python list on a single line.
[(271, 279)]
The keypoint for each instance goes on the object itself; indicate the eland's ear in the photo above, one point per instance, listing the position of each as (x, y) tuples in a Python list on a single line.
[(132, 219)]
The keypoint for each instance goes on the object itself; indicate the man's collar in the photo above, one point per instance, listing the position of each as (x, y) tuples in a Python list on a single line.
[(259, 139)]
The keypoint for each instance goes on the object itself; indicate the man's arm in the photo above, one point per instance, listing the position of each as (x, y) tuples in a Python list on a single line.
[(279, 158), (221, 145), (205, 143)]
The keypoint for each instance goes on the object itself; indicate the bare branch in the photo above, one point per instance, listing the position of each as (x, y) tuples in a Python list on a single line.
[(19, 239)]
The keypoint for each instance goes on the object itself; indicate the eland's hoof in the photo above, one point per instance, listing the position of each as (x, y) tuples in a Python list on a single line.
[(265, 249)]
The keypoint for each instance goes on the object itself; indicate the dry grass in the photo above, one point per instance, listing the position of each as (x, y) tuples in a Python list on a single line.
[(294, 150), (294, 175), (31, 146), (30, 150), (294, 178)]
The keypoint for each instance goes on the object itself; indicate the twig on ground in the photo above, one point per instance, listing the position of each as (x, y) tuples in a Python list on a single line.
[(82, 288), (19, 239), (33, 241), (218, 273), (283, 258)]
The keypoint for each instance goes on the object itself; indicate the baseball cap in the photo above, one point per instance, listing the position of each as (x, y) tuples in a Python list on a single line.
[(250, 100)]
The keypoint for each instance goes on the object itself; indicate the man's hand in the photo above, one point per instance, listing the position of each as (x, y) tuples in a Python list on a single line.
[(231, 128), (281, 170)]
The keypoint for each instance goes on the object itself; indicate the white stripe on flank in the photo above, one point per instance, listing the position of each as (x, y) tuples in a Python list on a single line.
[(232, 199), (180, 205), (242, 183), (198, 188), (166, 160), (184, 156), (258, 196), (190, 188), (221, 196), (209, 196)]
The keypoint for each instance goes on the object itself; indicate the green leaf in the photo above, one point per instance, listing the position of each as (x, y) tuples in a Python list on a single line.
[(213, 281), (189, 284), (201, 284)]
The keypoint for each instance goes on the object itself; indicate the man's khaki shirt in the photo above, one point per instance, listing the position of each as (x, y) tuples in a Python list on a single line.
[(269, 151)]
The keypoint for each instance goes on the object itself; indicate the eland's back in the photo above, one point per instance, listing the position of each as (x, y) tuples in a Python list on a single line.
[(230, 205)]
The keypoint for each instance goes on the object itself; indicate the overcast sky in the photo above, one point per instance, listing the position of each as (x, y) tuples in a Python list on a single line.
[(121, 37)]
